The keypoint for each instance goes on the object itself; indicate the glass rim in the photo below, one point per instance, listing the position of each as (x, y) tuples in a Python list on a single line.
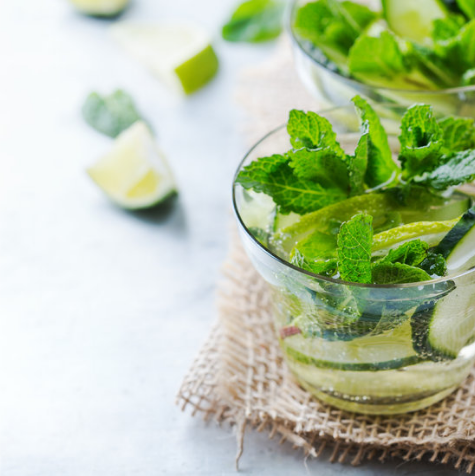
[(429, 92), (304, 272)]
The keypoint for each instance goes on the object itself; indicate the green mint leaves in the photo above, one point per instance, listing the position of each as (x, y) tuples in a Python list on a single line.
[(398, 273), (421, 140), (333, 26), (411, 253), (317, 172), (274, 176), (354, 249), (255, 21), (111, 114), (355, 41), (381, 167), (437, 154)]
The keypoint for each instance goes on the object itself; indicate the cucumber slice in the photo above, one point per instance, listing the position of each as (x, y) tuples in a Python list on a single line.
[(443, 329), (412, 19), (458, 246), (390, 350)]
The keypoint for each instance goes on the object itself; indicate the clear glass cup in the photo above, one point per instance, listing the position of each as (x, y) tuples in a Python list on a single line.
[(333, 89), (371, 366)]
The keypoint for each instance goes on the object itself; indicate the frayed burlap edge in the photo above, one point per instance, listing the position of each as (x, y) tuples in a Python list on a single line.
[(239, 378)]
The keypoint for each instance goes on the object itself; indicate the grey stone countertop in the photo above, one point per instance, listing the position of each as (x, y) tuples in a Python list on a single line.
[(102, 311)]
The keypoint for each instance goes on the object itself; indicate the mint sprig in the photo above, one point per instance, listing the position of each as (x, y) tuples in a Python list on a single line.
[(273, 176), (411, 253), (354, 249), (398, 273), (381, 167)]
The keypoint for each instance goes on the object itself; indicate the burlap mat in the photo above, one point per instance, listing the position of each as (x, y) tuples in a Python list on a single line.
[(240, 378)]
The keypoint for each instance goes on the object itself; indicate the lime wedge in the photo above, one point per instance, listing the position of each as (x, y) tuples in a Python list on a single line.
[(431, 232), (181, 56), (101, 8), (134, 174)]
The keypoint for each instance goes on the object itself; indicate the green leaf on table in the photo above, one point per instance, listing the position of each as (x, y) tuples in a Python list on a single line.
[(274, 177), (317, 154), (398, 273), (455, 169), (333, 26), (458, 133), (381, 167), (354, 249), (411, 253), (421, 141), (468, 7), (110, 114), (254, 21)]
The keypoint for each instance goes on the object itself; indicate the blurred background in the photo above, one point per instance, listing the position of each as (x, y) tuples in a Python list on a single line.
[(102, 310)]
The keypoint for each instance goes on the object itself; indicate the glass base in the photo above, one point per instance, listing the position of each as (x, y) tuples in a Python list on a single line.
[(376, 408)]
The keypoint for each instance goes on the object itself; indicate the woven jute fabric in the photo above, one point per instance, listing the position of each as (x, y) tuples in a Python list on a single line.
[(239, 376)]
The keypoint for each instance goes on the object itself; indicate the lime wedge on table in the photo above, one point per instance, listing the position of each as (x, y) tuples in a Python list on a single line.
[(431, 232), (103, 8), (134, 174), (181, 56)]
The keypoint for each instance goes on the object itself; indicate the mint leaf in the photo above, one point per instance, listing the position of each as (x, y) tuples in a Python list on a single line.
[(456, 169), (308, 129), (381, 167), (447, 28), (468, 7), (273, 176), (411, 253), (435, 264), (467, 43), (332, 26), (421, 141), (317, 154), (325, 166), (458, 133), (110, 114), (256, 174), (316, 253), (398, 273), (354, 249), (377, 60), (358, 165), (255, 21), (317, 266)]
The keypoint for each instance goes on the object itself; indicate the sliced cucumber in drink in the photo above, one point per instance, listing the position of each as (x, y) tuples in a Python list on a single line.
[(390, 350), (413, 19), (458, 246), (443, 329)]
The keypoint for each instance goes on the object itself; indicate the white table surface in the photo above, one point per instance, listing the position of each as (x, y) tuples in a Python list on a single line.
[(103, 311)]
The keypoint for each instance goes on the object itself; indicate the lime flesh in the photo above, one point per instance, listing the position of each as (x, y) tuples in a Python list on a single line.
[(181, 56), (100, 7), (134, 174)]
